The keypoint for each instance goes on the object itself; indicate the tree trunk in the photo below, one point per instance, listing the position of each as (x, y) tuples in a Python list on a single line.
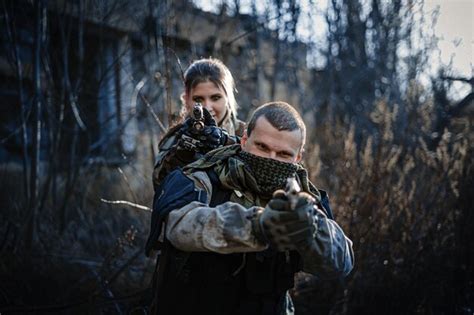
[(40, 22)]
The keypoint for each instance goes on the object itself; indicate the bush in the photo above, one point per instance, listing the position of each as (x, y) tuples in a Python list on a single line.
[(406, 203)]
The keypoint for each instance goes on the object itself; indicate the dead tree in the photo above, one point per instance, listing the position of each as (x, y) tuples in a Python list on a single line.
[(40, 26)]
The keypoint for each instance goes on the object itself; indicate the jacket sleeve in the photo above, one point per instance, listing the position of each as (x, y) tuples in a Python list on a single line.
[(169, 158), (331, 254), (223, 229)]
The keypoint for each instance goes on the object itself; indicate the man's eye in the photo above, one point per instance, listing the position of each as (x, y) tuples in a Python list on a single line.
[(261, 146)]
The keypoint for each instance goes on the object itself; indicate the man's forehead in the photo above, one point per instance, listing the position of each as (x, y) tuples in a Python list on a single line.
[(264, 131), (263, 123)]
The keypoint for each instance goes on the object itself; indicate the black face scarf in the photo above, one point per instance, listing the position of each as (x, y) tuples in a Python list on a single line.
[(234, 172), (269, 174)]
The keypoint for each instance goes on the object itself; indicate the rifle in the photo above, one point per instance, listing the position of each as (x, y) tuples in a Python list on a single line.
[(197, 115), (197, 125)]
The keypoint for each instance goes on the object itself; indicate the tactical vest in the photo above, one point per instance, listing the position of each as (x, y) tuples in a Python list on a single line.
[(212, 283)]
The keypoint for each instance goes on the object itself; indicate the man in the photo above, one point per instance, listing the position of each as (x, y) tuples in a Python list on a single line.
[(231, 238)]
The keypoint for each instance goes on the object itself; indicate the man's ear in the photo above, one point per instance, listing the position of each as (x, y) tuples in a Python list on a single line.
[(244, 139), (299, 157)]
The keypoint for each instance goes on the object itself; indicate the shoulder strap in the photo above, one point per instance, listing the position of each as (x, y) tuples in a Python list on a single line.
[(219, 193), (325, 204)]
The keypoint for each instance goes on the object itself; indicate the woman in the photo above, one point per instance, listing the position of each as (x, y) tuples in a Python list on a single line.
[(210, 83)]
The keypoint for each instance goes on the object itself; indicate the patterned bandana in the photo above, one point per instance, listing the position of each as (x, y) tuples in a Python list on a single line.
[(235, 170), (270, 174)]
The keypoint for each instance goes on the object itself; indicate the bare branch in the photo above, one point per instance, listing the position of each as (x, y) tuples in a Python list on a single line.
[(125, 202), (250, 31), (458, 107), (124, 267), (25, 112), (462, 79), (157, 119), (40, 23), (137, 92), (75, 110), (128, 183)]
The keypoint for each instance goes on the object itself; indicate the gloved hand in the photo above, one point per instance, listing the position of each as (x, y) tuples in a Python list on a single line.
[(284, 228), (206, 139)]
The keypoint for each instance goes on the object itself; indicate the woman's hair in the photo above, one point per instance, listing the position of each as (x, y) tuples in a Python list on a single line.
[(212, 70)]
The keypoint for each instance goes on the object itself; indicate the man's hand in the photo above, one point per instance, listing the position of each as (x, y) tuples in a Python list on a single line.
[(203, 140), (285, 228)]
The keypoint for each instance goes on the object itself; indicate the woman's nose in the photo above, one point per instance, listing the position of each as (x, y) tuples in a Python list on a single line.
[(207, 105)]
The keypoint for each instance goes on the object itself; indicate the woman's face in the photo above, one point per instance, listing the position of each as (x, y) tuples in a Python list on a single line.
[(211, 97)]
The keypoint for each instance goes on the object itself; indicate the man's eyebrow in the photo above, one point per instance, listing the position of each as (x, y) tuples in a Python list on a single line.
[(261, 143)]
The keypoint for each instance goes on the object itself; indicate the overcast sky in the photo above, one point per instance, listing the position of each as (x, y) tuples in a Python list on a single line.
[(454, 29)]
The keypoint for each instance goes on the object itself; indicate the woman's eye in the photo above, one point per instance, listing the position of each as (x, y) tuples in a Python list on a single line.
[(197, 99), (216, 98)]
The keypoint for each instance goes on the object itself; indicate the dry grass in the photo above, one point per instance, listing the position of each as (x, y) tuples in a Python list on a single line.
[(83, 265), (406, 206)]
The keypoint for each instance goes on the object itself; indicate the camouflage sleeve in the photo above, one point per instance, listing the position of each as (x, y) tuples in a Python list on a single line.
[(169, 158), (331, 256), (222, 229)]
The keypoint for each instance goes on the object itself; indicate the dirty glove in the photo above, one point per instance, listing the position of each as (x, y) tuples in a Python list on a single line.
[(204, 140), (285, 228)]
